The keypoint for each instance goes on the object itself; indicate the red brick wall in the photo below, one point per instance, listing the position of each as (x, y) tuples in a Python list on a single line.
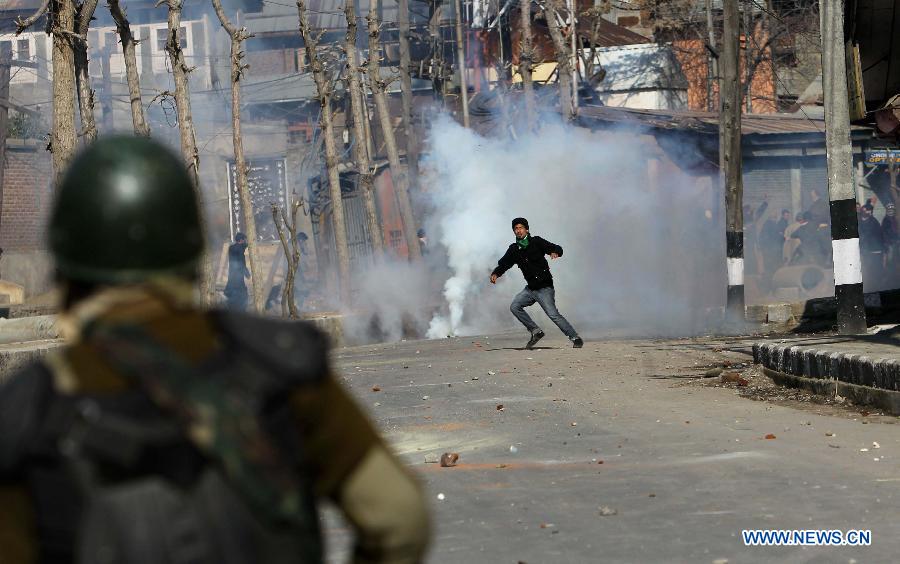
[(26, 198)]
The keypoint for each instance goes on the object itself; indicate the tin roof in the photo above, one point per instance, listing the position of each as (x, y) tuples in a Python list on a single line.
[(706, 122)]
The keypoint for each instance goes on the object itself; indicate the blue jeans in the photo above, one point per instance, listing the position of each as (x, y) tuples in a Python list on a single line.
[(546, 297)]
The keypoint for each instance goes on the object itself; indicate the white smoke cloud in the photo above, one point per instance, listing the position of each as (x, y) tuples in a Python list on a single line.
[(636, 254)]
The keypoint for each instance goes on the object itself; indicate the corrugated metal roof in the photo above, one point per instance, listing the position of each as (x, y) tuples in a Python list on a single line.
[(707, 122)]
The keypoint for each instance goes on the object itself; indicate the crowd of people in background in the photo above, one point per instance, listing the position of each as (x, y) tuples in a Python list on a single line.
[(779, 240)]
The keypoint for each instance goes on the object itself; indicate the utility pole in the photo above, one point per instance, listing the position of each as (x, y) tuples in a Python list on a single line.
[(461, 63), (748, 75), (573, 36), (848, 282), (730, 159)]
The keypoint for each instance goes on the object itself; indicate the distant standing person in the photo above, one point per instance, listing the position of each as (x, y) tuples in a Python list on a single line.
[(235, 287), (529, 252)]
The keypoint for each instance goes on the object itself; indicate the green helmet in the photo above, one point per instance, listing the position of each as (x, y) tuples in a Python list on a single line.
[(125, 212)]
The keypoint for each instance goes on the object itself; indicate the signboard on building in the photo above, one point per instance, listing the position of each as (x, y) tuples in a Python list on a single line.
[(882, 157), (266, 181)]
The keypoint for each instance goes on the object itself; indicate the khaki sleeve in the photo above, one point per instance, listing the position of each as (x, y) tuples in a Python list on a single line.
[(18, 539), (336, 434), (388, 511)]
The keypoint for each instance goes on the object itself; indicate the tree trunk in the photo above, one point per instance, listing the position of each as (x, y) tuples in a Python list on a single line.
[(291, 255), (361, 137), (461, 64), (564, 66), (189, 151), (131, 69), (437, 45), (324, 89), (384, 117), (526, 60), (84, 14), (240, 165), (412, 140), (62, 137)]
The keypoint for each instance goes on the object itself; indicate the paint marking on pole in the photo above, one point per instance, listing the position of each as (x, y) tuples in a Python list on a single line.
[(847, 262), (735, 271)]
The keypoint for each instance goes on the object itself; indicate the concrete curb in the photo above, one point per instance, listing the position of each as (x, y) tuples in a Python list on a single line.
[(16, 355), (860, 378)]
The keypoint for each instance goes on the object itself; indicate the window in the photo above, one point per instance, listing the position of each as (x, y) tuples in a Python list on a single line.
[(396, 237), (24, 50), (6, 49), (162, 36)]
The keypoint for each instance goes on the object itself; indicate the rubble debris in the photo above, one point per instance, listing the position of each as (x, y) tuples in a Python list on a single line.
[(441, 497), (830, 434), (513, 449), (425, 397), (875, 444), (606, 511), (770, 436), (449, 459), (376, 388), (499, 407), (491, 373), (431, 459)]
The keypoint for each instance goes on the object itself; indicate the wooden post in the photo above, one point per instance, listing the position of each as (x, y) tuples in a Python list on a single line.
[(848, 282)]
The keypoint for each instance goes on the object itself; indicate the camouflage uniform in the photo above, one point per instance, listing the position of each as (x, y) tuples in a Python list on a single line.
[(163, 433)]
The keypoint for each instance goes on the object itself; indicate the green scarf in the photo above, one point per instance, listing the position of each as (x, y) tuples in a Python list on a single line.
[(523, 242)]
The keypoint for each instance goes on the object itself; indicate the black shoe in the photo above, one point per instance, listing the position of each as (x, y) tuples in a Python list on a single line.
[(535, 337), (577, 343)]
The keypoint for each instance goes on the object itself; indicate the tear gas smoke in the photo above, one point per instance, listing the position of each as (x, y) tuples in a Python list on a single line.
[(639, 253)]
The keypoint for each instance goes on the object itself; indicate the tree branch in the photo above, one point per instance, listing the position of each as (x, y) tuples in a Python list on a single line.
[(22, 25)]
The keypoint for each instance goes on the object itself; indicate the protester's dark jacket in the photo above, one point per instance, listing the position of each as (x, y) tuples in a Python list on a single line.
[(531, 260), (237, 267), (871, 237)]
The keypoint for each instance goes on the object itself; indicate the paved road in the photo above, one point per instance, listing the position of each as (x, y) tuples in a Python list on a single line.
[(684, 467)]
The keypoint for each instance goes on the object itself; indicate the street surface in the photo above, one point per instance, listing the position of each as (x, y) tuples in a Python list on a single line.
[(620, 452)]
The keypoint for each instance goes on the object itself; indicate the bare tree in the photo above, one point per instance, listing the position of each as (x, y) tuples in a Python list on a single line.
[(324, 89), (189, 151), (412, 140), (84, 14), (526, 62), (378, 86), (291, 254), (552, 9), (361, 136), (238, 36), (62, 26), (131, 69), (594, 73)]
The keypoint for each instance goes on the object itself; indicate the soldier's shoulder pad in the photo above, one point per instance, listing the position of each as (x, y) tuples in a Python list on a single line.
[(295, 348), (23, 397)]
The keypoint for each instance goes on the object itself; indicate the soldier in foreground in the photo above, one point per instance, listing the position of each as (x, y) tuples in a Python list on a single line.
[(164, 434)]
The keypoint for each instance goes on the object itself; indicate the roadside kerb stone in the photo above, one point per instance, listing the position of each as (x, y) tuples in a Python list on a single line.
[(862, 378)]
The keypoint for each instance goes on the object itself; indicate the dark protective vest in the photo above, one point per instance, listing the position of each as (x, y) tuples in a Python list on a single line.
[(115, 478)]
